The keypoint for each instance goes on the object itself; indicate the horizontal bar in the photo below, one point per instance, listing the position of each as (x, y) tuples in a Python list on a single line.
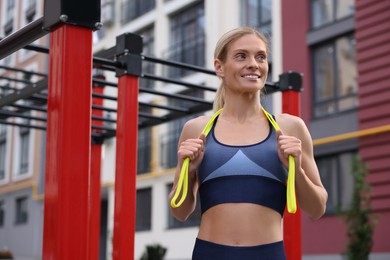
[(22, 37), (23, 71), (351, 135), (170, 108), (16, 80), (5, 122), (8, 113), (30, 107), (103, 61), (24, 93), (178, 64), (104, 83), (176, 96), (177, 82), (104, 108), (104, 119)]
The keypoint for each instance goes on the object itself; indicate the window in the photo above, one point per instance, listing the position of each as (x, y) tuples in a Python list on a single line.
[(324, 12), (10, 13), (335, 76), (107, 12), (337, 178), (24, 133), (257, 14), (3, 149), (170, 140), (144, 210), (21, 214), (187, 39), (9, 26), (30, 10), (148, 49), (192, 221), (2, 214), (144, 146), (132, 9)]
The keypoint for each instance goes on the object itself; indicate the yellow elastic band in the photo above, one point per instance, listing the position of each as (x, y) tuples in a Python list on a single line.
[(291, 199), (182, 186), (183, 179)]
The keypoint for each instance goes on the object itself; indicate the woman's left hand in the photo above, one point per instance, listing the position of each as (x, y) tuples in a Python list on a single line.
[(289, 145)]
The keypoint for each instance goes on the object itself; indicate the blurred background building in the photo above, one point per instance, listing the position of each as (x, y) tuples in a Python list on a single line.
[(341, 47)]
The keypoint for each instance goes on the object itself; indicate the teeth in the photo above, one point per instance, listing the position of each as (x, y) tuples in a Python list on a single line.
[(251, 76)]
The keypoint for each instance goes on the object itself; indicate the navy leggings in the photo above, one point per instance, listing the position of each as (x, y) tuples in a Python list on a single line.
[(205, 250)]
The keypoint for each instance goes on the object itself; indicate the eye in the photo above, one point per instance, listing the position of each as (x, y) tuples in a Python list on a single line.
[(240, 56), (261, 57)]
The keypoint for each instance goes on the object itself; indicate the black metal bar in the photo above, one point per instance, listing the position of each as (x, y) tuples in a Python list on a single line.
[(176, 96), (97, 95), (104, 119), (104, 83), (26, 92), (5, 122), (178, 64), (177, 82), (103, 108), (102, 61), (16, 80), (103, 128), (170, 108), (23, 71), (7, 113), (22, 37), (150, 116), (29, 107), (37, 48)]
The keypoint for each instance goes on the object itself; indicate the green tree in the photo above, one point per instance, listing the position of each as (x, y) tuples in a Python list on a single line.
[(154, 252), (359, 219)]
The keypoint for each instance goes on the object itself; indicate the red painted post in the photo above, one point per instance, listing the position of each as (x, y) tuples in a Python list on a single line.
[(128, 54), (96, 154), (292, 227), (67, 186), (126, 168)]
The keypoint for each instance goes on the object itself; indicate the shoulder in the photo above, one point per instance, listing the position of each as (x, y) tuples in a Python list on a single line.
[(292, 125), (193, 127)]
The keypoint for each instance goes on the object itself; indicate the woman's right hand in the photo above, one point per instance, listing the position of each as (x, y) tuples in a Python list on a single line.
[(194, 150)]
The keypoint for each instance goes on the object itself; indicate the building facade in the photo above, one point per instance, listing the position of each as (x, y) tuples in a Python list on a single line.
[(339, 46)]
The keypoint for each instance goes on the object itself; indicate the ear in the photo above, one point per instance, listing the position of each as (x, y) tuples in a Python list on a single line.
[(218, 68)]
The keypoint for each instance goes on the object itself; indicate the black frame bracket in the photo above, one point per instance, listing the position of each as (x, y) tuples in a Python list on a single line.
[(290, 80), (85, 13), (128, 54)]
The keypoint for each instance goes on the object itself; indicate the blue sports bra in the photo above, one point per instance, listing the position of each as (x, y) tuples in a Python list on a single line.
[(248, 173)]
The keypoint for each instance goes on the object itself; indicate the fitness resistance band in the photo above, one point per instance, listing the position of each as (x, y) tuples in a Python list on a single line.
[(182, 185)]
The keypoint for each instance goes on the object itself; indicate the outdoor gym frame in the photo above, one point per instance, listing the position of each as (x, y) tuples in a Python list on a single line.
[(75, 132)]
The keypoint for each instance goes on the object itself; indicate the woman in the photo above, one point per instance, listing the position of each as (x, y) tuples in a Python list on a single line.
[(240, 168)]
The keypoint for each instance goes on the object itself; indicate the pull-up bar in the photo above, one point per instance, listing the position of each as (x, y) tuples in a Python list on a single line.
[(72, 184)]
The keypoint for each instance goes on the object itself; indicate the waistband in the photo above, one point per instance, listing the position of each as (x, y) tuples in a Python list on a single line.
[(205, 250)]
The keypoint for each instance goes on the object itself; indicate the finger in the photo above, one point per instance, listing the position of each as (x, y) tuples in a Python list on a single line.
[(278, 133), (203, 138)]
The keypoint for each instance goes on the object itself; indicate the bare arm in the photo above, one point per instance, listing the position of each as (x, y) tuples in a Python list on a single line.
[(310, 191), (191, 145)]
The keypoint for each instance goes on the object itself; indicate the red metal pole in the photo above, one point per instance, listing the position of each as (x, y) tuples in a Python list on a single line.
[(96, 154), (292, 227), (67, 186), (126, 168)]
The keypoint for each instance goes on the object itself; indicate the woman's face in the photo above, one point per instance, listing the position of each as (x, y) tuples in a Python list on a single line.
[(246, 67)]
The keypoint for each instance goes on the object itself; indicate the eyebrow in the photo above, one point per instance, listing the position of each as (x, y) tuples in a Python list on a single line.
[(246, 51)]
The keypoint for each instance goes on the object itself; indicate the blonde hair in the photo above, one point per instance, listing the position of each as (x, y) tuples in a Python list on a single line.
[(220, 53)]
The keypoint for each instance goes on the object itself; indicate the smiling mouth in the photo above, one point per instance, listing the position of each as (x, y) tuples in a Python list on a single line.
[(251, 76)]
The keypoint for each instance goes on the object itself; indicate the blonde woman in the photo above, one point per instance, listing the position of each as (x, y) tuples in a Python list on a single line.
[(240, 167)]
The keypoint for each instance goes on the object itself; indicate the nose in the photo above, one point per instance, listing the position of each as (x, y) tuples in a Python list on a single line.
[(252, 63)]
